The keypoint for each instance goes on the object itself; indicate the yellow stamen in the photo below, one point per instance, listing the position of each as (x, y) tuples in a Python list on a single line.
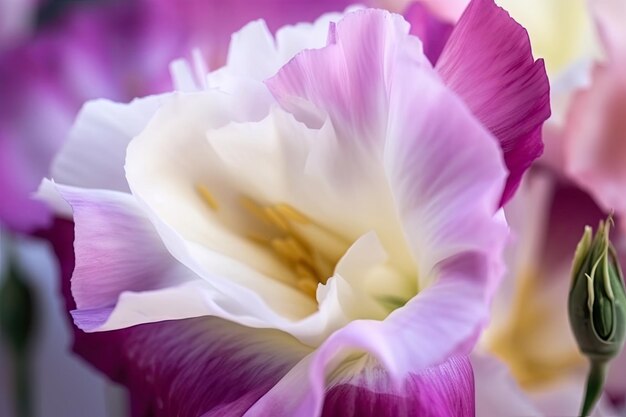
[(257, 238), (281, 249), (288, 240), (275, 218), (290, 213), (298, 250), (304, 271), (254, 208), (307, 286), (207, 197)]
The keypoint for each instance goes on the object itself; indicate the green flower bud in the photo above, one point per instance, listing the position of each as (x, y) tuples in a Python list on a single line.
[(597, 306), (597, 300)]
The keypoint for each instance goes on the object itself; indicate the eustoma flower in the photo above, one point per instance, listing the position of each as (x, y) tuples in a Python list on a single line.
[(322, 214)]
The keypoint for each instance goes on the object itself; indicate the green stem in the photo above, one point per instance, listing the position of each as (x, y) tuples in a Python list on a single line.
[(17, 316), (595, 383), (21, 375)]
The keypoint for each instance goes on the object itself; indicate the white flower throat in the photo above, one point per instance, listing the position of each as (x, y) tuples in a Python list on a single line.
[(308, 249)]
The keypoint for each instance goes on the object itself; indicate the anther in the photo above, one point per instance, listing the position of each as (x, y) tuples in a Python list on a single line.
[(290, 213), (207, 197)]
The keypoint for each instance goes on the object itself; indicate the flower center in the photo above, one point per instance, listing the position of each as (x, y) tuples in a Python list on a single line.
[(307, 249)]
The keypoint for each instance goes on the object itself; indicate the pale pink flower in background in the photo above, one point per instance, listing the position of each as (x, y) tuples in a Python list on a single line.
[(314, 232), (595, 135)]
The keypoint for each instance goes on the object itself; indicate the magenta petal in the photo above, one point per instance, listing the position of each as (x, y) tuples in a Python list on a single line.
[(181, 367), (488, 62), (206, 365), (192, 367), (432, 30), (441, 391)]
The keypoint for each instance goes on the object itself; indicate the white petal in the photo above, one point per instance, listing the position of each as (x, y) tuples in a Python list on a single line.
[(94, 154)]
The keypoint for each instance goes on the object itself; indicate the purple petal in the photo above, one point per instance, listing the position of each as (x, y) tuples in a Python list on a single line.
[(181, 367), (488, 62), (204, 365), (441, 391), (116, 248), (124, 275), (445, 172), (348, 80), (432, 30)]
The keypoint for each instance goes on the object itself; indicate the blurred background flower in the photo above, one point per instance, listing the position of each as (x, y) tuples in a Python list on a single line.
[(530, 334), (577, 182), (17, 19)]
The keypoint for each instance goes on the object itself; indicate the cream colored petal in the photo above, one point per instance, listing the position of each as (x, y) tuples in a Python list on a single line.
[(281, 160), (93, 155)]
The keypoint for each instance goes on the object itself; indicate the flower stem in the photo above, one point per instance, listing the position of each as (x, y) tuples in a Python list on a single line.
[(17, 327), (595, 383), (23, 400)]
